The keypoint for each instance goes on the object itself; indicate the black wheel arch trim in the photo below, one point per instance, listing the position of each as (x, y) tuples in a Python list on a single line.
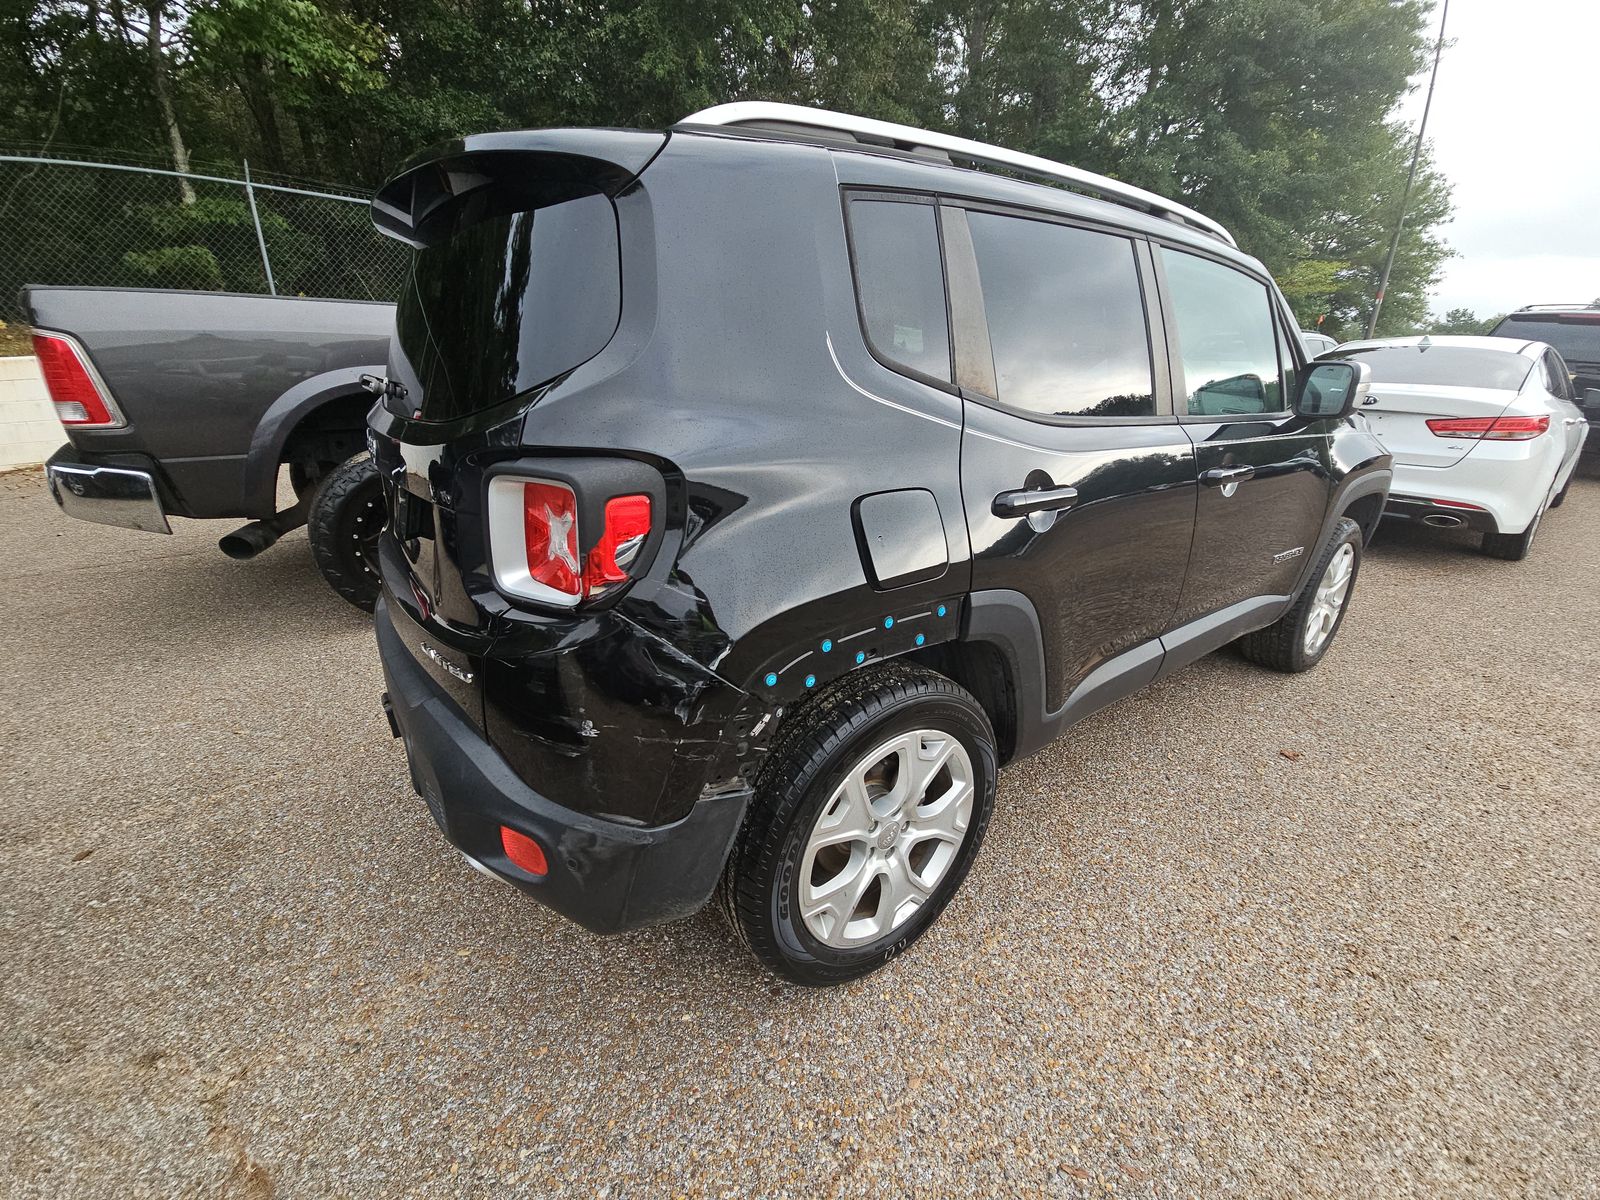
[(278, 423)]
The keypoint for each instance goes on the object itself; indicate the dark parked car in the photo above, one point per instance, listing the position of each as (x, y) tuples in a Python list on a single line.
[(761, 487), (186, 404), (1574, 331)]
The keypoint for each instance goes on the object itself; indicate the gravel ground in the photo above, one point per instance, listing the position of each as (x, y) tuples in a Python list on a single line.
[(1243, 934)]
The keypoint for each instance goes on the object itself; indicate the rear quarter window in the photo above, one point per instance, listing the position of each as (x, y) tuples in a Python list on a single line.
[(900, 285)]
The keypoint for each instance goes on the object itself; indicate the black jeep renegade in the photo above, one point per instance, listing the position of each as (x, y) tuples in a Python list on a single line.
[(759, 488)]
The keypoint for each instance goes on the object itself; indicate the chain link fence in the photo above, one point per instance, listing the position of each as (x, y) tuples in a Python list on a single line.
[(66, 221)]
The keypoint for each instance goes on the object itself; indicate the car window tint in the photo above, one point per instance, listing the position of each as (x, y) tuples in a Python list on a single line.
[(1575, 336), (900, 284), (1443, 364), (1560, 383), (1066, 318), (1225, 334)]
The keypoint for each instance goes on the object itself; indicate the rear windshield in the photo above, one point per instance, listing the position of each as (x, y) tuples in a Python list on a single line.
[(506, 303), (1443, 366), (1576, 338)]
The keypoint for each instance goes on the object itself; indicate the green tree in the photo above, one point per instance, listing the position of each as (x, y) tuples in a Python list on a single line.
[(1463, 320), (1273, 116)]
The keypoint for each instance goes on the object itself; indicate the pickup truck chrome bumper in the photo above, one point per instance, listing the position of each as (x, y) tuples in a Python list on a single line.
[(107, 495)]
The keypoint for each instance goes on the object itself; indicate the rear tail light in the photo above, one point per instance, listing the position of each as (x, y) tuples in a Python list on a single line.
[(1489, 429), (524, 851), (627, 527), (74, 388), (536, 535), (550, 538)]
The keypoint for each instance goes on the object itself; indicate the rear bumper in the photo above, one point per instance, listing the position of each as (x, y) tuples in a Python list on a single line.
[(105, 495), (1415, 508), (1507, 483), (605, 875)]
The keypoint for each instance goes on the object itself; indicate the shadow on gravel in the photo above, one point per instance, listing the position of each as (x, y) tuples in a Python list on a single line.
[(281, 585), (1404, 540)]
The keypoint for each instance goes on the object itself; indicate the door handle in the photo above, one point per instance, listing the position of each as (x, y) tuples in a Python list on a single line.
[(1218, 476), (1031, 500)]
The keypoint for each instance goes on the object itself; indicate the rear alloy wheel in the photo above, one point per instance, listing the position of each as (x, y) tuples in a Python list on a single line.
[(870, 810), (1513, 547), (347, 515), (1298, 639)]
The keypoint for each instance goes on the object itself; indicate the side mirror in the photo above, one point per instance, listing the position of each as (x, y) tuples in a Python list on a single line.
[(1590, 400), (1332, 390)]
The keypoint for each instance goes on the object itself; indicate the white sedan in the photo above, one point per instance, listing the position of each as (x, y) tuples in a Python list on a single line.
[(1484, 432)]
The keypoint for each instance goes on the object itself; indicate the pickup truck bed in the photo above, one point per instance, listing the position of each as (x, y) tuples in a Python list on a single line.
[(217, 392)]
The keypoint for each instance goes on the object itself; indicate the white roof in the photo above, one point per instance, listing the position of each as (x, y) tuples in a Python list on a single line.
[(759, 112)]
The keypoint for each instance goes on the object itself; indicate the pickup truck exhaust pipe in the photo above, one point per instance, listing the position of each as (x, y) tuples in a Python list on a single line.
[(261, 535)]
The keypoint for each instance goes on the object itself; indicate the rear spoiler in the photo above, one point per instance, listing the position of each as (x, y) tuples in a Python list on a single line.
[(495, 173)]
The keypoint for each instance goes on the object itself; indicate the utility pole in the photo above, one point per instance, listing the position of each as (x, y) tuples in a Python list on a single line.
[(1416, 156)]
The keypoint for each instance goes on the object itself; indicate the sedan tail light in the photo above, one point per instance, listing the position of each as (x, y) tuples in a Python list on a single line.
[(536, 537), (1490, 429), (80, 399)]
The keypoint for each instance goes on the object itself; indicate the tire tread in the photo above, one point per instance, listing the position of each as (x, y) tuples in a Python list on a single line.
[(333, 491)]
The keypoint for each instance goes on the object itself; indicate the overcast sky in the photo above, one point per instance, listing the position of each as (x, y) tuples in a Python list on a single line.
[(1514, 129)]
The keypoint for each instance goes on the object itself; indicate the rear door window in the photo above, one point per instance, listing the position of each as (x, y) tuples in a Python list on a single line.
[(1066, 319), (900, 285), (1559, 378), (1226, 337)]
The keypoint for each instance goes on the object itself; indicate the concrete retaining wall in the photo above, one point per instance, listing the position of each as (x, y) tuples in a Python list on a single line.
[(29, 431)]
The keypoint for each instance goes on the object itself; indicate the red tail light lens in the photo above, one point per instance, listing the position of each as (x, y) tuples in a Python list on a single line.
[(535, 538), (78, 398), (550, 536), (524, 851), (627, 527), (1492, 429)]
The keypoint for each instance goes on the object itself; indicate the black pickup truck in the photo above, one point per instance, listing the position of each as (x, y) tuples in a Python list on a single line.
[(1574, 331), (189, 404)]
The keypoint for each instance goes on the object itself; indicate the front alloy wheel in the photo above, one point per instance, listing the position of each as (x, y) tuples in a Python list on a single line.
[(1297, 640), (1328, 599)]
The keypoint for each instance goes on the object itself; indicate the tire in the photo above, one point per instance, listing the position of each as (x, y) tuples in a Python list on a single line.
[(1513, 547), (1283, 645), (347, 514), (1561, 496), (822, 746)]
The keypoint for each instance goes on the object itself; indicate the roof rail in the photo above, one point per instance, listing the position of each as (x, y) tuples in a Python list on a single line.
[(1559, 307), (787, 117)]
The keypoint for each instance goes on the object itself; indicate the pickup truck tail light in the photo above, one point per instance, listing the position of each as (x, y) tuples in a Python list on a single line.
[(536, 535), (80, 399), (1489, 429)]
